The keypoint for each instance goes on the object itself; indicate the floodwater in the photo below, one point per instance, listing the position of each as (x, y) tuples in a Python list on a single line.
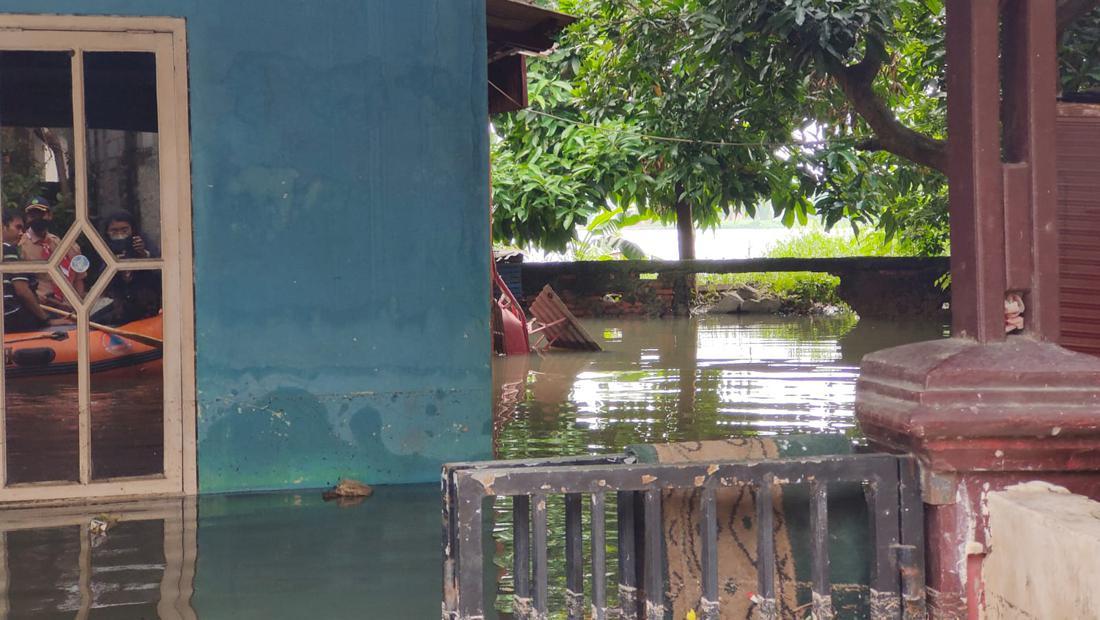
[(127, 425), (290, 555)]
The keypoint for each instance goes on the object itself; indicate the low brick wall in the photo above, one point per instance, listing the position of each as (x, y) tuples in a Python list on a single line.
[(628, 297), (872, 286)]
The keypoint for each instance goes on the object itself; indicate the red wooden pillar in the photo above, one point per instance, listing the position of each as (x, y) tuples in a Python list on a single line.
[(982, 410)]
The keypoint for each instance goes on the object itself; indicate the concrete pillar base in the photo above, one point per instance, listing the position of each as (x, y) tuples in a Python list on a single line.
[(981, 417)]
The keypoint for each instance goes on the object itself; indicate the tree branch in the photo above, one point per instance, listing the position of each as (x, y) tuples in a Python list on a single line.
[(857, 82)]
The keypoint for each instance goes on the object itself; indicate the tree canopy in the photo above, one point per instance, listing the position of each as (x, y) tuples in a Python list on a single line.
[(827, 108)]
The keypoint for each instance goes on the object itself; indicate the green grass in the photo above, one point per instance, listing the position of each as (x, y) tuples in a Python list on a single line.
[(802, 291)]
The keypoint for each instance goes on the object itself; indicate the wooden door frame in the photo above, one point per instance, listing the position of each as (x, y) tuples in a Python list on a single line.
[(167, 38)]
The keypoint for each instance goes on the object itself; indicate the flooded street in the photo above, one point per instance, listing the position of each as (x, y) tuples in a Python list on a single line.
[(290, 555), (689, 379)]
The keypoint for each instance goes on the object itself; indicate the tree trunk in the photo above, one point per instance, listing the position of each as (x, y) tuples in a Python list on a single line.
[(683, 288), (685, 226), (51, 140)]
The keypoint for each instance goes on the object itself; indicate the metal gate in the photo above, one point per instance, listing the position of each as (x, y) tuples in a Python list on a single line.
[(890, 486)]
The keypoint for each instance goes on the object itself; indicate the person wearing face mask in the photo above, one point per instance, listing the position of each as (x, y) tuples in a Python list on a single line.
[(126, 240), (22, 313), (39, 244), (134, 295)]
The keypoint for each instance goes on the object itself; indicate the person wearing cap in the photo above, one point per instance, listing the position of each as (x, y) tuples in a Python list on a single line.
[(39, 244)]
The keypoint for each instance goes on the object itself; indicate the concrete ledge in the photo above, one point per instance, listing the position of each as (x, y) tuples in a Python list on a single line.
[(1045, 554), (873, 286)]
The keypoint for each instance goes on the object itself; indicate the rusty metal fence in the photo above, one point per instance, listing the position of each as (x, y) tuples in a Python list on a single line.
[(890, 486)]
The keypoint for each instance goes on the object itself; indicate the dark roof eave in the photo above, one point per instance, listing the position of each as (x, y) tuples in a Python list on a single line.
[(514, 26)]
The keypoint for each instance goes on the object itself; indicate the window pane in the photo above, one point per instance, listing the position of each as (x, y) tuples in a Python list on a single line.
[(36, 138), (81, 267), (41, 400), (128, 378), (120, 90), (36, 180)]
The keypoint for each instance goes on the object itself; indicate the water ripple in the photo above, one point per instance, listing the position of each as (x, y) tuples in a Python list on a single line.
[(687, 379)]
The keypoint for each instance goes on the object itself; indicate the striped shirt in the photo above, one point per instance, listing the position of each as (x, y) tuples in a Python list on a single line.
[(11, 302)]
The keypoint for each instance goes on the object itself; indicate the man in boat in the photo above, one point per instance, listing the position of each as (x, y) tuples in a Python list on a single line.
[(38, 244), (22, 312), (134, 295)]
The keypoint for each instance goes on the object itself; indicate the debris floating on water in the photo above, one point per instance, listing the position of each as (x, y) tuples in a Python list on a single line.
[(99, 526), (348, 490)]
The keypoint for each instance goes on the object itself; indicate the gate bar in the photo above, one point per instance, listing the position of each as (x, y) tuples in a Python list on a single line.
[(574, 557), (541, 577), (710, 605), (521, 554), (599, 558), (822, 602), (628, 580), (654, 557), (767, 607)]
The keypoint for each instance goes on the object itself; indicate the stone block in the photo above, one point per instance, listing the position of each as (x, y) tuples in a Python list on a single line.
[(766, 305), (728, 304), (1044, 554), (748, 293)]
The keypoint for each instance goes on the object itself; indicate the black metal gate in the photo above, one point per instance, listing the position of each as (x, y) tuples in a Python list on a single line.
[(890, 485)]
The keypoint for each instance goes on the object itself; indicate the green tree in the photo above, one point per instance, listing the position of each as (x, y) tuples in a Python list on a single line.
[(739, 78), (603, 133), (553, 173), (20, 174)]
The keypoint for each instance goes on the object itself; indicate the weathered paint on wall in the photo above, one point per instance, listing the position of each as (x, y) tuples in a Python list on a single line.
[(340, 174)]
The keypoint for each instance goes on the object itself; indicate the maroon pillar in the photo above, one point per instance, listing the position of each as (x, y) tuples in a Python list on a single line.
[(981, 410), (974, 165)]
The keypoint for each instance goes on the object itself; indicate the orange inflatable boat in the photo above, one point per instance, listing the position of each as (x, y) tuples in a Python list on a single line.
[(53, 351)]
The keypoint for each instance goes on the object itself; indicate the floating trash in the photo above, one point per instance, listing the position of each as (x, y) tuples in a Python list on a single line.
[(348, 489)]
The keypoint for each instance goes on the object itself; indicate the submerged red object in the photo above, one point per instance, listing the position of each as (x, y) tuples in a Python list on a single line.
[(513, 322), (554, 324)]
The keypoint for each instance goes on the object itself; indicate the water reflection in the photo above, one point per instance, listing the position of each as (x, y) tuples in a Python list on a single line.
[(261, 555), (112, 561), (291, 555), (678, 380), (689, 379)]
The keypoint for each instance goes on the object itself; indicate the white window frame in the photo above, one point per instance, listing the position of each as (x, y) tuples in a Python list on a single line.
[(166, 38)]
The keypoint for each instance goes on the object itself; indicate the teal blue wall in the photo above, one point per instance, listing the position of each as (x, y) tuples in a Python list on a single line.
[(340, 174)]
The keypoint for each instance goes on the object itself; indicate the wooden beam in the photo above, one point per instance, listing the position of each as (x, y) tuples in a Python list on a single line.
[(508, 84)]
